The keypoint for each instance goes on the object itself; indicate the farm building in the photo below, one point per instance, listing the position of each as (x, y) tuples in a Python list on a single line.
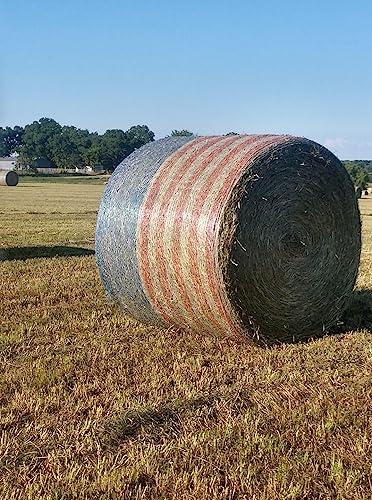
[(8, 163), (45, 166), (99, 169)]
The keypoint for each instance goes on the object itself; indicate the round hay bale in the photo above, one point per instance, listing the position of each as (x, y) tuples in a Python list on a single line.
[(8, 178), (255, 236)]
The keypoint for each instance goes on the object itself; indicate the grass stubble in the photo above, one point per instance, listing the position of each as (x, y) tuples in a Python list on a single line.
[(96, 405)]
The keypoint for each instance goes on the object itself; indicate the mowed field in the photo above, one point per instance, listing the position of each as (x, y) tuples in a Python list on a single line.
[(95, 405)]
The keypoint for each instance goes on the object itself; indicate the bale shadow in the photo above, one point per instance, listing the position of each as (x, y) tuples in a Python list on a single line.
[(358, 314), (37, 252)]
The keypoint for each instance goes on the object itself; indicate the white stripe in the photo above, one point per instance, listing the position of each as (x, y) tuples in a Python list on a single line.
[(187, 225), (167, 169)]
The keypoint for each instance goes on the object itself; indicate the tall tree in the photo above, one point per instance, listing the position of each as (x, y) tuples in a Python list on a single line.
[(358, 173), (137, 136), (77, 143), (38, 140), (113, 148), (362, 179), (114, 145), (10, 140), (64, 153), (94, 155)]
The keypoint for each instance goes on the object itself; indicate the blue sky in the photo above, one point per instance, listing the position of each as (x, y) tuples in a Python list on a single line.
[(272, 66)]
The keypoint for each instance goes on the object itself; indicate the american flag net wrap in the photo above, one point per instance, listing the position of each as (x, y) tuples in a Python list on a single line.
[(253, 236)]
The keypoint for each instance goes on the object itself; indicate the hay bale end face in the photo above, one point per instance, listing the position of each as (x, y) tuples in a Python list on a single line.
[(255, 236), (8, 178)]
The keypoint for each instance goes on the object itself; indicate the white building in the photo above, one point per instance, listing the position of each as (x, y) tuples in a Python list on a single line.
[(8, 163)]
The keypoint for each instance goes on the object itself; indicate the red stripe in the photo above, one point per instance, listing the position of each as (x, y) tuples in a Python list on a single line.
[(175, 223), (145, 214), (192, 246), (151, 199)]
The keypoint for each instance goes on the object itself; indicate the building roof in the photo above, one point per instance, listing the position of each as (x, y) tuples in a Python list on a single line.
[(8, 158)]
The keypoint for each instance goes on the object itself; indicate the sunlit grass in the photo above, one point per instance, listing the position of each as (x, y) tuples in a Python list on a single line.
[(96, 405)]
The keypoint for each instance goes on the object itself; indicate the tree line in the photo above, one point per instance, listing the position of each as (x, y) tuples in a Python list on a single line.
[(68, 146)]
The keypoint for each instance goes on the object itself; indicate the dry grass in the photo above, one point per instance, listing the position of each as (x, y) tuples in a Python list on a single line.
[(95, 405)]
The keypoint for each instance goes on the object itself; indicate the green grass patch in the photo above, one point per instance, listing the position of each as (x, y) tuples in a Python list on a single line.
[(64, 179)]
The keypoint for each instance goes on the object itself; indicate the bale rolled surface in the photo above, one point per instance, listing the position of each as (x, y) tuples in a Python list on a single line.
[(8, 178), (255, 236)]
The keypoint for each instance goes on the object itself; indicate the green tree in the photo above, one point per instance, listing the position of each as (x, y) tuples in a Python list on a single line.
[(10, 140), (137, 136), (69, 146), (39, 140), (79, 141), (64, 153), (362, 179), (65, 146), (93, 155), (358, 173), (181, 133), (113, 146)]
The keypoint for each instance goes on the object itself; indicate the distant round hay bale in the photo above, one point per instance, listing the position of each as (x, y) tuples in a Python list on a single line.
[(8, 178), (255, 236)]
